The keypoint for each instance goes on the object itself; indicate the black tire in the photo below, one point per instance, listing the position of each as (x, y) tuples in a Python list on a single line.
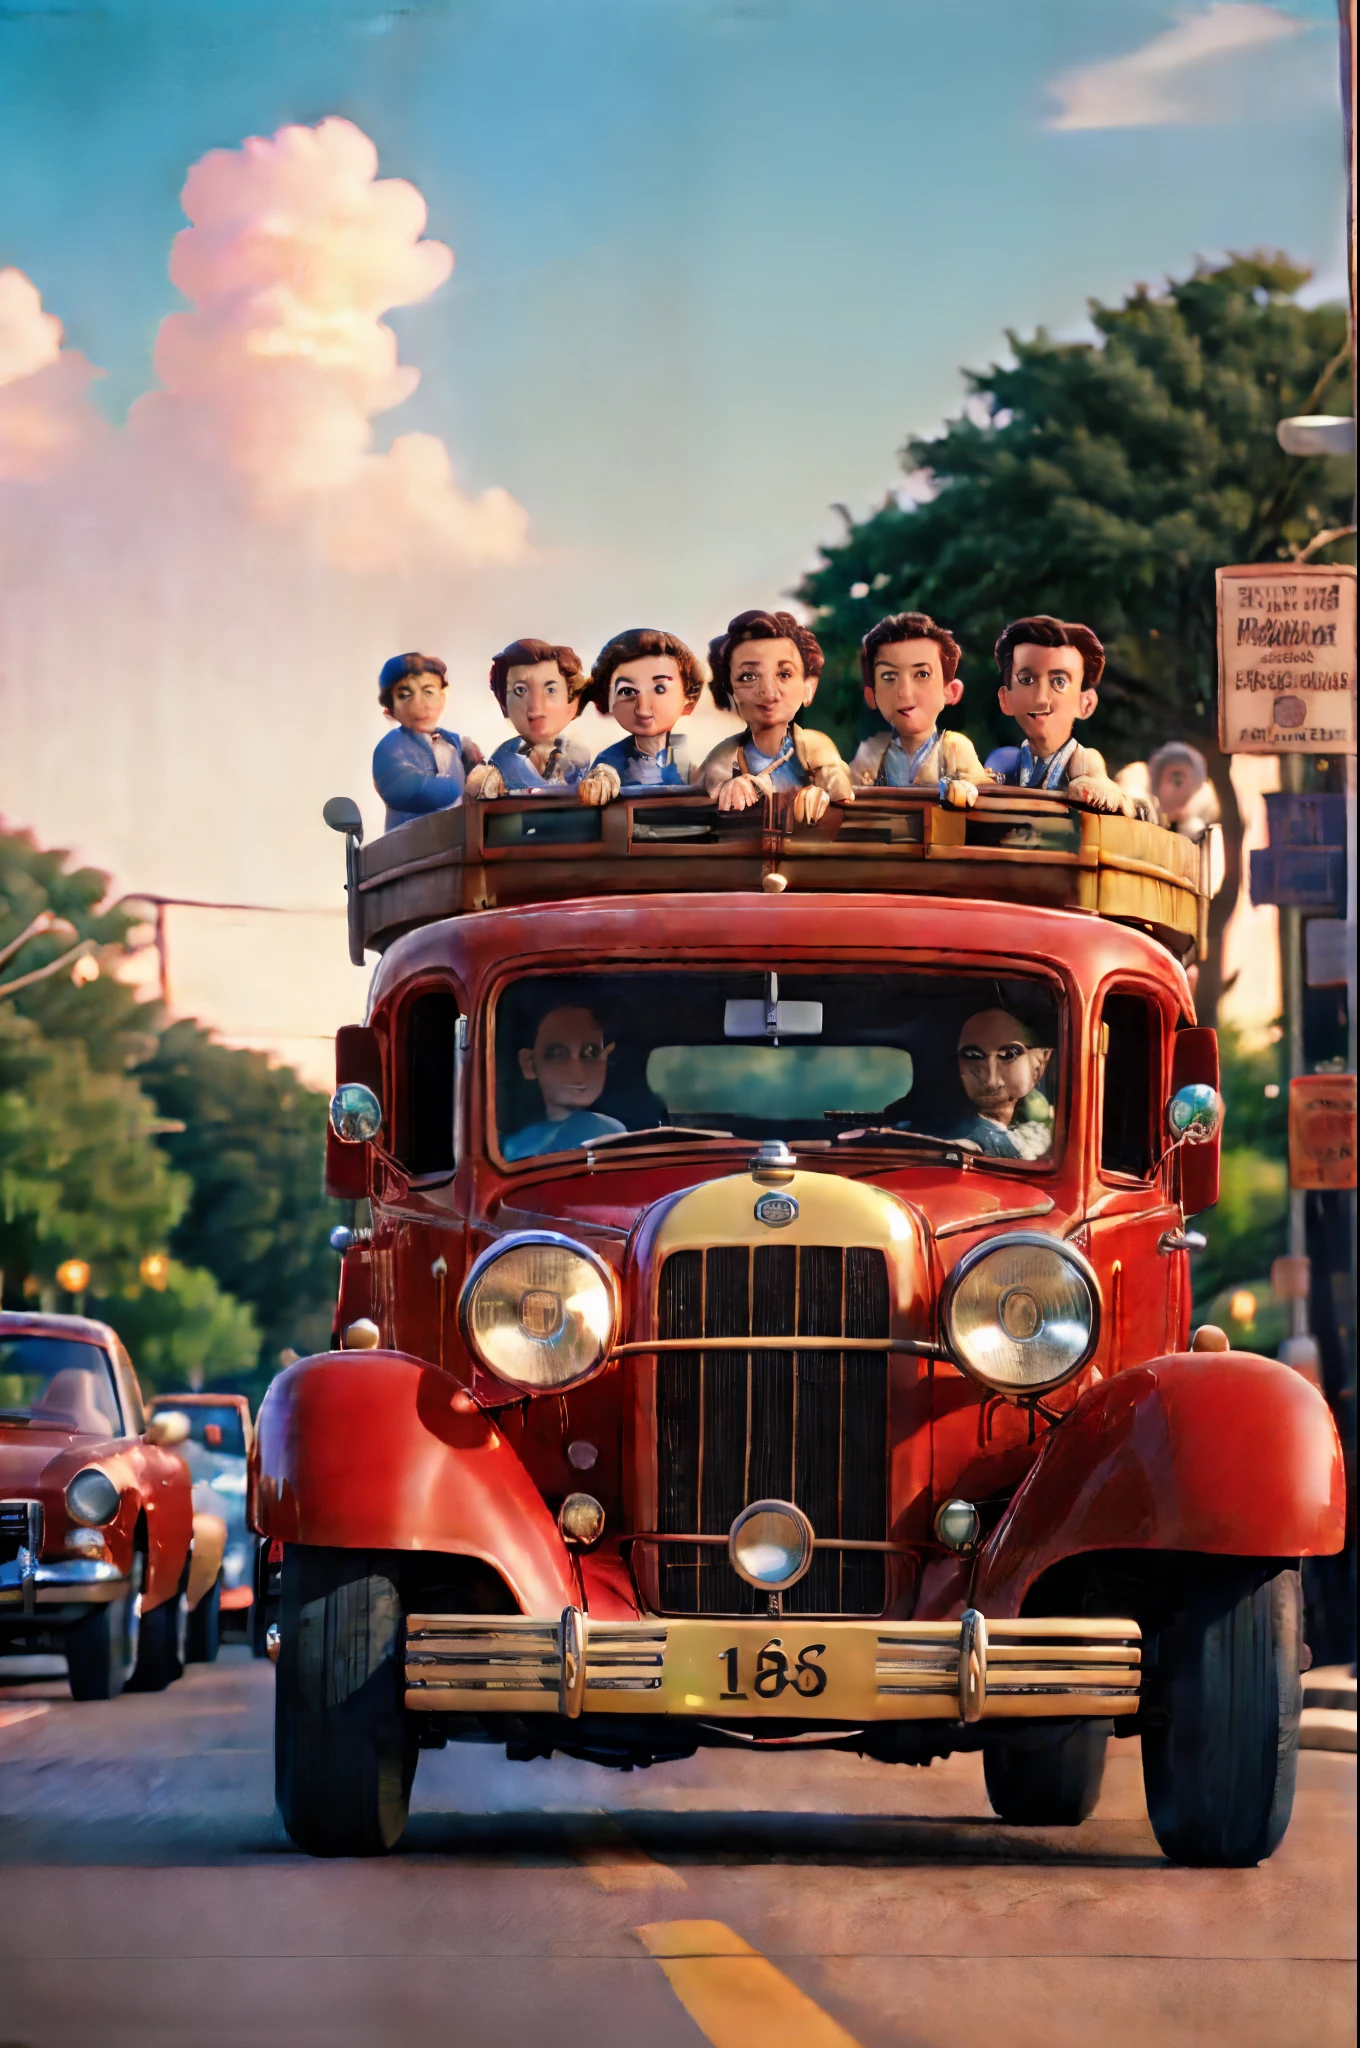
[(1054, 1785), (160, 1655), (344, 1749), (1221, 1755), (101, 1651), (203, 1638), (265, 1607)]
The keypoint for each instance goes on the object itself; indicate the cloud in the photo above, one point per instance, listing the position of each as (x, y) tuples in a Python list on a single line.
[(46, 419), (1163, 83)]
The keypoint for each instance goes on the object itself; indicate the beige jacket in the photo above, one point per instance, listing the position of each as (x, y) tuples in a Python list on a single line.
[(815, 753), (953, 760)]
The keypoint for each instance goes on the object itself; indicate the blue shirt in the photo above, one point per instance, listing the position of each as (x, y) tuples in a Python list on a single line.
[(1022, 768), (407, 776), (670, 769), (566, 765), (784, 769), (545, 1136), (900, 766)]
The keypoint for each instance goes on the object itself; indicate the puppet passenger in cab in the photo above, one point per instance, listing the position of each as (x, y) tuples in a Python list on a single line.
[(540, 688), (1050, 674), (1001, 1064), (765, 668), (570, 1062), (419, 767), (647, 680), (910, 668)]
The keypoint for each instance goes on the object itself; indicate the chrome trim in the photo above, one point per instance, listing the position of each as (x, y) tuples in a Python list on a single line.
[(972, 1665), (24, 1519), (76, 1571), (917, 1346), (1063, 1250), (1182, 1241), (571, 1686)]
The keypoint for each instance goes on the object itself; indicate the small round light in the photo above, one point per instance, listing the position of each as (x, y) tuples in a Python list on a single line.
[(362, 1335), (770, 1544), (92, 1498), (582, 1454), (1022, 1313), (581, 1520), (356, 1113), (538, 1311), (958, 1525)]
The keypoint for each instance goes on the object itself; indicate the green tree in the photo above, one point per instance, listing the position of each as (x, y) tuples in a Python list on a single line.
[(1106, 481), (253, 1147), (187, 1334)]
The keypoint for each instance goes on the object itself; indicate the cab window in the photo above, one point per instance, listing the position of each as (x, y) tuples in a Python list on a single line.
[(1130, 1043), (426, 1124)]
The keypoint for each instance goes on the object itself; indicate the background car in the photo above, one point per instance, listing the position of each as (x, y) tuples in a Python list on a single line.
[(216, 1451), (96, 1515)]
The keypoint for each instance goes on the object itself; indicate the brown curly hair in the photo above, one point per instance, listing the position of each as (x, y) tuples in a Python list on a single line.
[(1043, 631), (524, 654), (631, 646), (908, 626), (760, 626)]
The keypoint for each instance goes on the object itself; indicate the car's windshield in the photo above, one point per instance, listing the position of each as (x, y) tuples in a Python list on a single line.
[(799, 1056), (215, 1428), (58, 1383)]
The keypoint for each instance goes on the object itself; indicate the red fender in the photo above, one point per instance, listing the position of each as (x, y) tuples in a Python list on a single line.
[(1215, 1451), (366, 1451)]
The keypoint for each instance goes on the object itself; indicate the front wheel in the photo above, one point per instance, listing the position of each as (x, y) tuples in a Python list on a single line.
[(344, 1750), (1220, 1759), (204, 1637), (101, 1650), (161, 1652), (1052, 1785)]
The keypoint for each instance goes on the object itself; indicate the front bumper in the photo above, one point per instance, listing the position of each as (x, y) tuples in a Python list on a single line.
[(840, 1671), (24, 1584)]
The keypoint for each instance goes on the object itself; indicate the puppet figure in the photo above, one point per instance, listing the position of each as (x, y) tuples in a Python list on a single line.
[(570, 1061), (1050, 674), (419, 767), (648, 681), (1000, 1066), (1178, 778), (539, 687), (910, 668), (765, 668)]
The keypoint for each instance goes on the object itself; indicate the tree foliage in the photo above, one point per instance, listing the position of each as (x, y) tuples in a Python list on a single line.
[(190, 1333), (1106, 481)]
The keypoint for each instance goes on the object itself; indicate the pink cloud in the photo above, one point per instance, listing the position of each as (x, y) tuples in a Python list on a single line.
[(46, 418)]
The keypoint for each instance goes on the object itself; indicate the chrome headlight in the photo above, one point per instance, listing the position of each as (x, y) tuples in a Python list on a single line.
[(1022, 1313), (92, 1498), (538, 1311), (770, 1544)]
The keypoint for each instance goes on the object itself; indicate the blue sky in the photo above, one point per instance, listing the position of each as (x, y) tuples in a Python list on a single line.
[(715, 258)]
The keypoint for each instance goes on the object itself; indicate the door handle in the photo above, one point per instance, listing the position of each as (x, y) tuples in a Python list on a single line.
[(1182, 1241)]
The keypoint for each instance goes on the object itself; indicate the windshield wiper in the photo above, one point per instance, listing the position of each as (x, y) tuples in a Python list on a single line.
[(950, 1151), (655, 1134)]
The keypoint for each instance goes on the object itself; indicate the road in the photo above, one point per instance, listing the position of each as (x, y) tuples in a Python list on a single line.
[(148, 1896)]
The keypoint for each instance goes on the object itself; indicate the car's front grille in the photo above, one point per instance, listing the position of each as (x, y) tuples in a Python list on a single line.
[(21, 1528), (805, 1426)]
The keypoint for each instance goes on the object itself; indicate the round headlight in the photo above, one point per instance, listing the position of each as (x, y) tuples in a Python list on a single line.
[(538, 1311), (1023, 1313), (770, 1544), (581, 1520), (92, 1498)]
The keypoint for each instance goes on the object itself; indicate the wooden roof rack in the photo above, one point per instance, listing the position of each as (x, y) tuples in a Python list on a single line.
[(1015, 845)]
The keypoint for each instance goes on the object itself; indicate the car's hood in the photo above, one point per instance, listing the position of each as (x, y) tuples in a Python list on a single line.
[(26, 1453)]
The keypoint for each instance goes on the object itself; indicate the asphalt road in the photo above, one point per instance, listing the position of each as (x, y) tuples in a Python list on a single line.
[(148, 1896)]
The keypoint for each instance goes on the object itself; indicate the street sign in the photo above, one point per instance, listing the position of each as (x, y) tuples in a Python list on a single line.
[(1304, 865), (1328, 943), (1322, 1131), (1286, 659)]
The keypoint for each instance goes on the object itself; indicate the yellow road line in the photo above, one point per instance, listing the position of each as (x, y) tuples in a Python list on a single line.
[(618, 1865), (735, 1995)]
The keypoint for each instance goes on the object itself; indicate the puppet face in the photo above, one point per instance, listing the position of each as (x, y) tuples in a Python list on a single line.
[(909, 687), (768, 683), (537, 701), (1046, 695), (418, 702), (1176, 784), (999, 1063), (569, 1061), (647, 696)]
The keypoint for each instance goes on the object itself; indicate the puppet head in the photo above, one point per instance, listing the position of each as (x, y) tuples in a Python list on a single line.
[(765, 668), (910, 668), (647, 680), (539, 686), (413, 689), (1050, 673)]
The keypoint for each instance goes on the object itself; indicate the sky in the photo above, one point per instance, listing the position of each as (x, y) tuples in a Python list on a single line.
[(327, 331)]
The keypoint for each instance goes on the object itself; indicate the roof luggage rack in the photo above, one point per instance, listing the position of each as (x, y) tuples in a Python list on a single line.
[(1015, 845)]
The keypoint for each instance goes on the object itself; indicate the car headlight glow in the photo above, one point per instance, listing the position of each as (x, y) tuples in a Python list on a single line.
[(92, 1498), (1022, 1313), (539, 1311)]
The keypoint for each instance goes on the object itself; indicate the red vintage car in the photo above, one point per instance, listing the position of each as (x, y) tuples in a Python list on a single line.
[(772, 1322), (98, 1560)]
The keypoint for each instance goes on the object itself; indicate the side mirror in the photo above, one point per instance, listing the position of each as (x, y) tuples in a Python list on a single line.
[(356, 1114), (341, 1238), (1194, 1115), (170, 1427), (342, 814)]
